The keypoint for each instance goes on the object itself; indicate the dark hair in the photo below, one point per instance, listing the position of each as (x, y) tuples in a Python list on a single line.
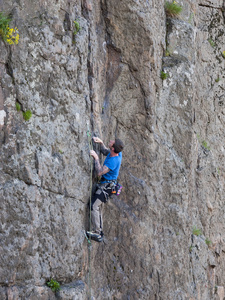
[(118, 146)]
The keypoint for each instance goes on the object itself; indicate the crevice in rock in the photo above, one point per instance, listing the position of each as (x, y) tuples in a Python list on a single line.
[(210, 6), (67, 22), (85, 14), (8, 65), (65, 194), (113, 64), (132, 70)]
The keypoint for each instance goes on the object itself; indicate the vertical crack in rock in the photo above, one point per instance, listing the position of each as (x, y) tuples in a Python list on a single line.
[(85, 12), (113, 68)]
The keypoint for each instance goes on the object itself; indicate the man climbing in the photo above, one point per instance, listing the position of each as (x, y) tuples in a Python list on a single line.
[(109, 172)]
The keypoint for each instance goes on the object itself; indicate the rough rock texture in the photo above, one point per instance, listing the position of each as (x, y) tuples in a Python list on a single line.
[(106, 80)]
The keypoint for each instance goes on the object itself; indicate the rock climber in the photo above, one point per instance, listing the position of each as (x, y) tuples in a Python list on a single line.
[(109, 173)]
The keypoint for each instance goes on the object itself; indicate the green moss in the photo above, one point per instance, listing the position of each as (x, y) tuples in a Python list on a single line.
[(27, 115), (218, 171), (54, 285), (76, 27), (211, 42), (198, 137), (205, 145), (4, 24), (196, 231), (172, 9), (208, 242), (18, 106), (164, 75), (167, 53), (217, 79)]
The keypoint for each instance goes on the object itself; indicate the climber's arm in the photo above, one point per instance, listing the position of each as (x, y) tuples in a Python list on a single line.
[(99, 169)]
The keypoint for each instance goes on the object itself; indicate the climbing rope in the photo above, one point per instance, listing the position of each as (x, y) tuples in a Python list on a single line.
[(89, 241)]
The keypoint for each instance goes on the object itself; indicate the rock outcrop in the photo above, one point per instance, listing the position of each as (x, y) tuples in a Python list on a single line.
[(164, 235)]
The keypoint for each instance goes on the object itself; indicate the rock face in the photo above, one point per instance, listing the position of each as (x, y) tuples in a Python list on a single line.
[(164, 235)]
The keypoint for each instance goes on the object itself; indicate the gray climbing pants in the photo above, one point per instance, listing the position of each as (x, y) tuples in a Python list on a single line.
[(101, 196), (96, 216)]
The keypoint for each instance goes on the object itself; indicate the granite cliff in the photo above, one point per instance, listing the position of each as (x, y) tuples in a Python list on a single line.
[(165, 233)]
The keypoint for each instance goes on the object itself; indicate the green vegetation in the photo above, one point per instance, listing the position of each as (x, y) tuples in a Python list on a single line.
[(191, 248), (196, 231), (4, 24), (54, 285), (76, 27), (208, 242), (9, 35), (172, 9), (217, 79), (27, 115), (203, 142), (211, 42), (223, 54), (190, 19), (205, 145), (167, 53), (18, 106), (164, 75)]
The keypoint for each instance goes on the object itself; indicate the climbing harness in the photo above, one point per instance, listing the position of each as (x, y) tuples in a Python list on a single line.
[(114, 185), (89, 241)]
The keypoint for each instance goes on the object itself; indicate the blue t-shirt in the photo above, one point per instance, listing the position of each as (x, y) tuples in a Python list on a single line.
[(113, 163)]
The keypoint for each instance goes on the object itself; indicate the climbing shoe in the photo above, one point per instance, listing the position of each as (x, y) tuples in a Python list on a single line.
[(95, 236)]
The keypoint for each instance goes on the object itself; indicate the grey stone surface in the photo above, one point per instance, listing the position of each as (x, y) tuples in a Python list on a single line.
[(72, 291), (106, 79)]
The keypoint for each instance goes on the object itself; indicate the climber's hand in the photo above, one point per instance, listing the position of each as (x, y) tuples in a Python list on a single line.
[(94, 154), (97, 140)]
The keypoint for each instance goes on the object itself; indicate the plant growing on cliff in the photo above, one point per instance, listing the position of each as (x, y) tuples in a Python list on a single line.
[(223, 54), (163, 75), (196, 231), (76, 27), (9, 35), (190, 19), (211, 42), (208, 242), (54, 285), (4, 24), (205, 145), (167, 52), (172, 9), (27, 115), (18, 106)]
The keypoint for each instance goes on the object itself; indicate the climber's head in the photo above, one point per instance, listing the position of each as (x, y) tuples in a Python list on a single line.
[(116, 145)]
